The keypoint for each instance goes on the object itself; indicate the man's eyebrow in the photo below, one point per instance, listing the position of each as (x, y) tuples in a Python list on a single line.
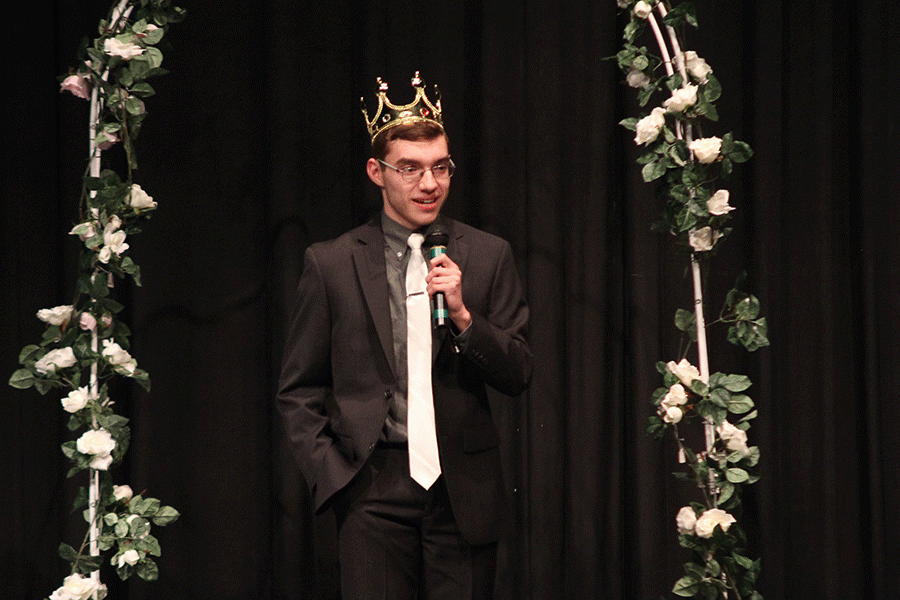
[(415, 163)]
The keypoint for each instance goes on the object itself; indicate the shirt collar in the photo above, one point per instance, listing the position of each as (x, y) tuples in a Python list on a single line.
[(396, 235)]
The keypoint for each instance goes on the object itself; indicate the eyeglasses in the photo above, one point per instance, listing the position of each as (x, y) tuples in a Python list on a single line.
[(411, 174)]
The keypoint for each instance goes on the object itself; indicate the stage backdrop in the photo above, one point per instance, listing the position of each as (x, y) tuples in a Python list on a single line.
[(254, 148)]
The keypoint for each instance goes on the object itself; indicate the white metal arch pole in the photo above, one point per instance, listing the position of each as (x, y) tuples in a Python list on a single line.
[(119, 15)]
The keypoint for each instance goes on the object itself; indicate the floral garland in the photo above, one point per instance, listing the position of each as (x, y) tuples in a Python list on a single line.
[(85, 344), (686, 168)]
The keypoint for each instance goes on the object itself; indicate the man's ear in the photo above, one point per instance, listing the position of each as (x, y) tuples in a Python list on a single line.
[(373, 169)]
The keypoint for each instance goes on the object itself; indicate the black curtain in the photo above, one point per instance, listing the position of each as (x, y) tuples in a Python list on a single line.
[(254, 148)]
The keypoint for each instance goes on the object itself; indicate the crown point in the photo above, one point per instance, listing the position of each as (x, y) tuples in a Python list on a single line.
[(382, 86), (417, 81)]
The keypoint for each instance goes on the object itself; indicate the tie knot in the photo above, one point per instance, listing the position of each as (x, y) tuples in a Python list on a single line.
[(415, 241)]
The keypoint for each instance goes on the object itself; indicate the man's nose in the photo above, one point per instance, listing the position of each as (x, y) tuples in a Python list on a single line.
[(428, 181)]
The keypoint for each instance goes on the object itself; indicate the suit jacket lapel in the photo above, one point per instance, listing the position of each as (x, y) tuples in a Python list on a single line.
[(370, 269), (457, 248)]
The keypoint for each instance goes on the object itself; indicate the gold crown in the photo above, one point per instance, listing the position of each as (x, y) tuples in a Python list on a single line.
[(390, 115)]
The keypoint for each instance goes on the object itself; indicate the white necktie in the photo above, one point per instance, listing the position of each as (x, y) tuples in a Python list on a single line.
[(424, 464)]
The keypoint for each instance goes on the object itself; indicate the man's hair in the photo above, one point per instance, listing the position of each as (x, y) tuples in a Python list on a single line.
[(415, 131)]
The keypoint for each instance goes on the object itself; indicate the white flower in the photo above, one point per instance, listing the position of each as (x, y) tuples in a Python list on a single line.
[(706, 149), (58, 315), (122, 492), (76, 400), (703, 239), (119, 358), (697, 66), (113, 224), (79, 85), (718, 204), (60, 358), (670, 407), (87, 321), (735, 438), (100, 444), (686, 520), (648, 128), (681, 99), (676, 396), (637, 78), (642, 10), (140, 199), (671, 414), (113, 243), (126, 50), (707, 522), (684, 370), (77, 587), (130, 557)]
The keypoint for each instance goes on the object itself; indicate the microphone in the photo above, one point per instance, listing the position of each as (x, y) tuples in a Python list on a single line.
[(436, 243)]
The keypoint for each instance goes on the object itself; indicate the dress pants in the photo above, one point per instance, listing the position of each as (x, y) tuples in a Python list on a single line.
[(398, 541)]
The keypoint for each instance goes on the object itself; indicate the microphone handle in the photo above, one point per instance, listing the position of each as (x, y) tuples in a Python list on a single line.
[(439, 314)]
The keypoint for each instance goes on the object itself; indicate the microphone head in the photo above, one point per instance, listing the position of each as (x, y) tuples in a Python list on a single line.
[(436, 238)]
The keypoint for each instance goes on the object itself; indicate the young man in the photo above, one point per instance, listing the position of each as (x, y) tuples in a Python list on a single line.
[(388, 414)]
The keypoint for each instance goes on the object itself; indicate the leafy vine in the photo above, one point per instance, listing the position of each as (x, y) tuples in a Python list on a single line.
[(687, 169), (85, 344)]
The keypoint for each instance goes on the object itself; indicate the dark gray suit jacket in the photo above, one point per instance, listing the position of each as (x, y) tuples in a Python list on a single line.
[(338, 373)]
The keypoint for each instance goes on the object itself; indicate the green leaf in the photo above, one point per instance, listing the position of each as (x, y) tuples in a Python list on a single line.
[(88, 564), (153, 37), (154, 56), (686, 587), (736, 383), (740, 152), (165, 515), (699, 388), (125, 77), (122, 528), (134, 106), (752, 459), (28, 353), (720, 397), (740, 404), (44, 385), (629, 123), (752, 415), (683, 13), (67, 552), (653, 171), (712, 89), (147, 569), (673, 82), (745, 562), (22, 379), (726, 492), (143, 90), (736, 475), (686, 321), (99, 285)]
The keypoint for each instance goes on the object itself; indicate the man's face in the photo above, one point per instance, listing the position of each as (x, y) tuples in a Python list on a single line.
[(412, 204)]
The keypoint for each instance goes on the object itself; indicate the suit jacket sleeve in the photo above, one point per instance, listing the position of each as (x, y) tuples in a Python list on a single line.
[(496, 341), (306, 385)]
